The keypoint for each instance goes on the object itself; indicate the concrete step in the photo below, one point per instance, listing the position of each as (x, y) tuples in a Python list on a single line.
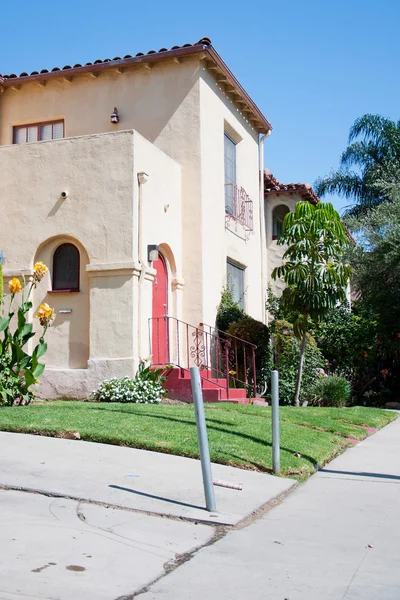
[(179, 387)]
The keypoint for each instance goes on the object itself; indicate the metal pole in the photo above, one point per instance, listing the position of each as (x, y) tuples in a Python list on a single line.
[(276, 450), (202, 437)]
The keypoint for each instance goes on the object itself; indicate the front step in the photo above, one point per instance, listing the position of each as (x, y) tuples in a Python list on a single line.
[(179, 386)]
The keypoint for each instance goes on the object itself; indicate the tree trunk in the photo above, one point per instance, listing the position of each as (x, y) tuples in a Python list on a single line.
[(296, 401)]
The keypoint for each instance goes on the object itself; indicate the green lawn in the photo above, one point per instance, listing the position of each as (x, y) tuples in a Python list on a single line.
[(239, 435)]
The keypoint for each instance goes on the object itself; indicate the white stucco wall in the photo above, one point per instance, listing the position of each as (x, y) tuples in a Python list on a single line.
[(275, 252), (99, 172), (218, 114)]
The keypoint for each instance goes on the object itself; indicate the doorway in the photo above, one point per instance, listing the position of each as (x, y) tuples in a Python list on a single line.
[(160, 338)]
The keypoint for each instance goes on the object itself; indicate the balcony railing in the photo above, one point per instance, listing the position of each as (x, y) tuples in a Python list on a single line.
[(238, 206)]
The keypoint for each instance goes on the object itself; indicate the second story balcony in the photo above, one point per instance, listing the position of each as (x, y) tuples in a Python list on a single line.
[(239, 206)]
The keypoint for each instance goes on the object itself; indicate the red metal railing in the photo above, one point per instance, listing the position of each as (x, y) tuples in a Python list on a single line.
[(238, 206), (224, 359)]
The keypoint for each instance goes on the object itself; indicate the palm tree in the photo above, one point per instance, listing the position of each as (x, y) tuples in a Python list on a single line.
[(373, 154)]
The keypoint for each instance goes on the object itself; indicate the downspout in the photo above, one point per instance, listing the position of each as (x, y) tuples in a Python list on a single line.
[(142, 178), (262, 221)]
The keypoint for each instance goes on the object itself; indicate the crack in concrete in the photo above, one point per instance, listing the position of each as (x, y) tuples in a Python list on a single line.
[(219, 530), (17, 488)]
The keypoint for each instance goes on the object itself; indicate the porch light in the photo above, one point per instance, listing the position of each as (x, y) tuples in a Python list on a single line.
[(115, 116), (152, 253)]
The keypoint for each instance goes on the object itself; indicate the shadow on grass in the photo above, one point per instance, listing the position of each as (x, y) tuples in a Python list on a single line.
[(152, 415), (152, 497), (236, 433)]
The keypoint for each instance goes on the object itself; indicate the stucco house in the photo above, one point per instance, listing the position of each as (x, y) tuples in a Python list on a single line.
[(137, 181), (280, 198)]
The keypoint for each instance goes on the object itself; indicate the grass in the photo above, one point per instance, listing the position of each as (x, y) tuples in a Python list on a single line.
[(239, 435)]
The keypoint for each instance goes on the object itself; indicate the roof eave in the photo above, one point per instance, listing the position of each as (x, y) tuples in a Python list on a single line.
[(260, 123)]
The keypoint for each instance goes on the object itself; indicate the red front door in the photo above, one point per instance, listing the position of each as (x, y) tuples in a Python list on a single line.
[(160, 341)]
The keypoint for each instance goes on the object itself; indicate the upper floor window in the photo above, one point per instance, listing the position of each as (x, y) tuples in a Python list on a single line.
[(230, 172), (278, 216), (38, 132), (66, 268), (235, 278)]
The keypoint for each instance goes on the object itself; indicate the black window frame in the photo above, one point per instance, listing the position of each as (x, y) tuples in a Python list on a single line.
[(56, 268)]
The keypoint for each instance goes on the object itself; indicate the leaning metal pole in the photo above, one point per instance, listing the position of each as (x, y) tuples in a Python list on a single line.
[(203, 439)]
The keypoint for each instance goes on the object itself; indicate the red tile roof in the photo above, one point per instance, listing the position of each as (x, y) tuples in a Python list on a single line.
[(203, 46), (273, 186), (305, 190)]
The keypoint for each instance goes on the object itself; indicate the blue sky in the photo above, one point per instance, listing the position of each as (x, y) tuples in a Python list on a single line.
[(312, 66)]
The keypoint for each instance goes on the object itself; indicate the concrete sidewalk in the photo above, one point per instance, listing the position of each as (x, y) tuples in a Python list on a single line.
[(70, 541), (135, 479), (334, 538)]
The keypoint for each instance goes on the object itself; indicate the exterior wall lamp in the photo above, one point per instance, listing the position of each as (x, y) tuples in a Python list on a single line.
[(115, 116), (152, 253)]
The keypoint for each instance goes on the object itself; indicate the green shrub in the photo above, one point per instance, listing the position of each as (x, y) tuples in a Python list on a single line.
[(257, 333), (228, 311), (145, 388), (13, 390), (331, 391), (287, 351)]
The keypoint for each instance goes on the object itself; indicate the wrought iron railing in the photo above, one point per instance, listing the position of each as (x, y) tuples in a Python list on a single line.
[(239, 206), (224, 359)]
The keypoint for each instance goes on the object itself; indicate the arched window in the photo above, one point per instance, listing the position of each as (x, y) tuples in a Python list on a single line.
[(278, 216), (66, 268)]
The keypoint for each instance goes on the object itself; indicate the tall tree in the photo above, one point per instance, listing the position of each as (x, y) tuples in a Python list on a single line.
[(371, 156), (312, 269), (376, 267)]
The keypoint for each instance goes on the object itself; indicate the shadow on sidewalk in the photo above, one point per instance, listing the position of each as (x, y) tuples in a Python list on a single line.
[(362, 474), (124, 489)]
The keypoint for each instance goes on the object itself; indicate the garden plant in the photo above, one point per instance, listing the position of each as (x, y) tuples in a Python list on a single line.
[(19, 369), (313, 270)]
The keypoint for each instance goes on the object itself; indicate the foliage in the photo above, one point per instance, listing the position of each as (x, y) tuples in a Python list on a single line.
[(20, 370), (376, 266), (312, 269), (286, 350), (145, 388), (371, 156), (12, 388), (276, 308), (347, 338), (228, 311), (331, 391), (256, 333)]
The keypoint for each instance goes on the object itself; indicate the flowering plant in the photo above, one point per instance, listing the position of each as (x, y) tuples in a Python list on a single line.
[(19, 370), (145, 388)]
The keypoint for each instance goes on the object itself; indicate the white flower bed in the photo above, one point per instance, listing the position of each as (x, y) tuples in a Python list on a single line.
[(129, 390)]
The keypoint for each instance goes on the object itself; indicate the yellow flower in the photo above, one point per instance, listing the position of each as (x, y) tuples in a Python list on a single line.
[(45, 314), (14, 285), (39, 271)]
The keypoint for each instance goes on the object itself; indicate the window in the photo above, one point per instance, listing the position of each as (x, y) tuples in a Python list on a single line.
[(66, 268), (235, 278), (38, 132), (230, 172), (278, 217)]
